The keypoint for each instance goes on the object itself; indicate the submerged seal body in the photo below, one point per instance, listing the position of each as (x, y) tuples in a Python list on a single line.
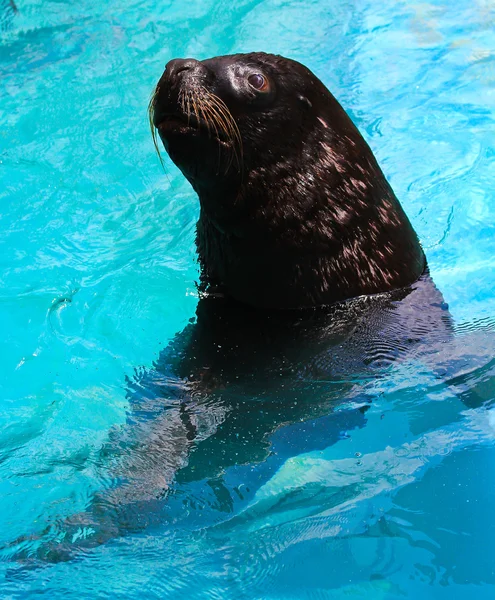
[(295, 211)]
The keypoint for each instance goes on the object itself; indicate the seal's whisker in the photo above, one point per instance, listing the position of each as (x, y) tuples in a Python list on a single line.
[(215, 118), (223, 115), (201, 108), (214, 111), (211, 118), (195, 108), (228, 125), (188, 98), (201, 101), (228, 115), (151, 112), (181, 101), (225, 128)]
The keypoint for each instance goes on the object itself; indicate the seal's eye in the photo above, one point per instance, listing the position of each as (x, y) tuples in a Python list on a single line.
[(259, 82)]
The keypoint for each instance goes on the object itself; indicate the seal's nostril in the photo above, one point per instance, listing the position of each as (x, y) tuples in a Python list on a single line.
[(177, 67), (182, 69)]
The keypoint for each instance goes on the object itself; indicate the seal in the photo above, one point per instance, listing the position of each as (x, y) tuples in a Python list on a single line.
[(295, 210), (315, 285)]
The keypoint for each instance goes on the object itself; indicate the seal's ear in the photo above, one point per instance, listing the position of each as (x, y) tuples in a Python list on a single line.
[(304, 101)]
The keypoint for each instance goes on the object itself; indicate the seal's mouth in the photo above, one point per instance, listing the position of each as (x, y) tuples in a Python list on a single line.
[(197, 112), (187, 124), (175, 123)]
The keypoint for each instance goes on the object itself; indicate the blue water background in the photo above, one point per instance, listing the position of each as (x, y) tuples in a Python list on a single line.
[(97, 272)]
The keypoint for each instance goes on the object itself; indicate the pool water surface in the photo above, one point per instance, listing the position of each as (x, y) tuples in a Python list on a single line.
[(97, 275)]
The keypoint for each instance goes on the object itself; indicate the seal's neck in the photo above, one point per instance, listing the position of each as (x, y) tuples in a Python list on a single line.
[(287, 276), (293, 238)]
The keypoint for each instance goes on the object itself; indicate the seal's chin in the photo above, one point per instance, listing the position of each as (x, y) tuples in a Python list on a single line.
[(196, 149)]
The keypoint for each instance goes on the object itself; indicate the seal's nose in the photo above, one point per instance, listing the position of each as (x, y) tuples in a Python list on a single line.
[(178, 67), (180, 74)]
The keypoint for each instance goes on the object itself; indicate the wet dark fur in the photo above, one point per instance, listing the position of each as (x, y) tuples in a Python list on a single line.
[(307, 218)]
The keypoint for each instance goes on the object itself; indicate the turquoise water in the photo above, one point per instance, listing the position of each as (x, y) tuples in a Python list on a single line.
[(97, 272)]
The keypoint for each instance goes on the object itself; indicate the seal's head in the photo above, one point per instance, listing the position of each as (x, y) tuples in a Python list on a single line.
[(295, 211)]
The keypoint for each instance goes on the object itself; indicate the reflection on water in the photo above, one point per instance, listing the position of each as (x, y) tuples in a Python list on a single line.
[(283, 470)]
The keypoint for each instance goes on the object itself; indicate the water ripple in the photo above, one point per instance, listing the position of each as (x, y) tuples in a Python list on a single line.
[(97, 271)]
